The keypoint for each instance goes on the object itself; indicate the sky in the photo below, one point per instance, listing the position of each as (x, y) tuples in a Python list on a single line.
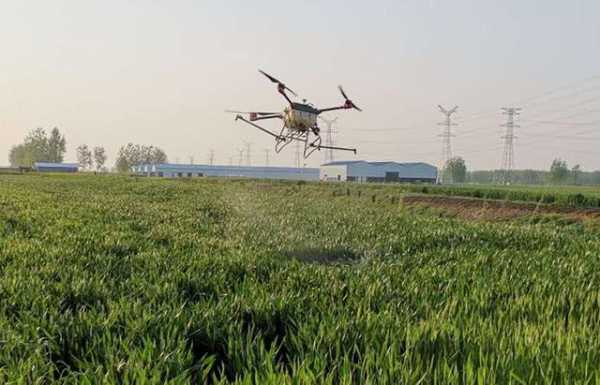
[(163, 73)]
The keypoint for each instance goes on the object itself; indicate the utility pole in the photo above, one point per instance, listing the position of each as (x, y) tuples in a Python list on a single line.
[(446, 135), (241, 158), (329, 138), (267, 157), (297, 154), (508, 156), (231, 160), (248, 156), (211, 157)]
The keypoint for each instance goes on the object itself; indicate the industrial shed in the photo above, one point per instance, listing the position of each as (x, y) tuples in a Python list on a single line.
[(199, 170), (55, 167), (381, 172)]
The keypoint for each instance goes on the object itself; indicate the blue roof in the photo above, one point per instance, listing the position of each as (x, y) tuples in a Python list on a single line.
[(348, 162), (189, 167), (343, 162), (55, 165)]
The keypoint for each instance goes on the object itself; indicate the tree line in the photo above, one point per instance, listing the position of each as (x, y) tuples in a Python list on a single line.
[(559, 173), (39, 146)]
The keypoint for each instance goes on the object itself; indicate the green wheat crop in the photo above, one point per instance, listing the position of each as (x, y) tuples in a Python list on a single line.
[(120, 280)]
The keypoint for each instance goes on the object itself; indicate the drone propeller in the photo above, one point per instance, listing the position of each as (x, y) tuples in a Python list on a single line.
[(271, 78), (349, 102)]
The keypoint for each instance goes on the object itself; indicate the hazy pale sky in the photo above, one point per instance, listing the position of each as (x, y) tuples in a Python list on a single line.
[(163, 72)]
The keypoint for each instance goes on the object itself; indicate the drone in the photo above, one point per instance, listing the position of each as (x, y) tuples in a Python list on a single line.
[(299, 121)]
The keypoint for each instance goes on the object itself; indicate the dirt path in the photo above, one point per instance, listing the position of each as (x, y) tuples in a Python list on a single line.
[(473, 208)]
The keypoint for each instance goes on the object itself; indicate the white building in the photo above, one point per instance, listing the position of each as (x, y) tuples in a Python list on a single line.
[(363, 171), (200, 170)]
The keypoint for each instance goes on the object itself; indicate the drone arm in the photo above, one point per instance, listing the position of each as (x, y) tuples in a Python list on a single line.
[(344, 107), (281, 90), (253, 119)]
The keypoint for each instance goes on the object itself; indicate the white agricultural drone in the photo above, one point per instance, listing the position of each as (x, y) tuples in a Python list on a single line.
[(299, 121)]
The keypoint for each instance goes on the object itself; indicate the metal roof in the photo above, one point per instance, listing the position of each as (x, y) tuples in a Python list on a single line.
[(191, 167), (348, 162), (343, 162), (55, 165)]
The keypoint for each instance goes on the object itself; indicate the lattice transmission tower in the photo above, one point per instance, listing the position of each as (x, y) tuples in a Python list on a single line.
[(329, 141), (508, 155), (443, 176)]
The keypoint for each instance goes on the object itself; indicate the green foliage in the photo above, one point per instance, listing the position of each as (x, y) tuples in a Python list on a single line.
[(84, 157), (57, 146), (534, 177), (121, 280), (38, 147), (559, 171), (134, 154), (575, 174), (99, 154), (457, 170), (567, 196)]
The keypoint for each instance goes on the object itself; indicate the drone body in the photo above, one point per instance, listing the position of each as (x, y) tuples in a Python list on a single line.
[(299, 121)]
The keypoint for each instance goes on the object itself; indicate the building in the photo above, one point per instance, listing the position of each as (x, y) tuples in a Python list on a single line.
[(55, 167), (199, 170), (363, 171)]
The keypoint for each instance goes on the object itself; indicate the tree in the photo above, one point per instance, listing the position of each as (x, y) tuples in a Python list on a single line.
[(456, 169), (99, 157), (559, 171), (36, 144), (19, 156), (56, 146), (135, 154), (38, 147), (575, 173), (84, 157)]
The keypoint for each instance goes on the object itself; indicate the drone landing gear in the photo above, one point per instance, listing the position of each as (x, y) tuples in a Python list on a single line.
[(338, 148), (311, 147), (283, 139)]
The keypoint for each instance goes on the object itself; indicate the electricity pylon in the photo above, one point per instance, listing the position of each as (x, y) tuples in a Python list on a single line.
[(508, 155), (443, 176), (329, 137)]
